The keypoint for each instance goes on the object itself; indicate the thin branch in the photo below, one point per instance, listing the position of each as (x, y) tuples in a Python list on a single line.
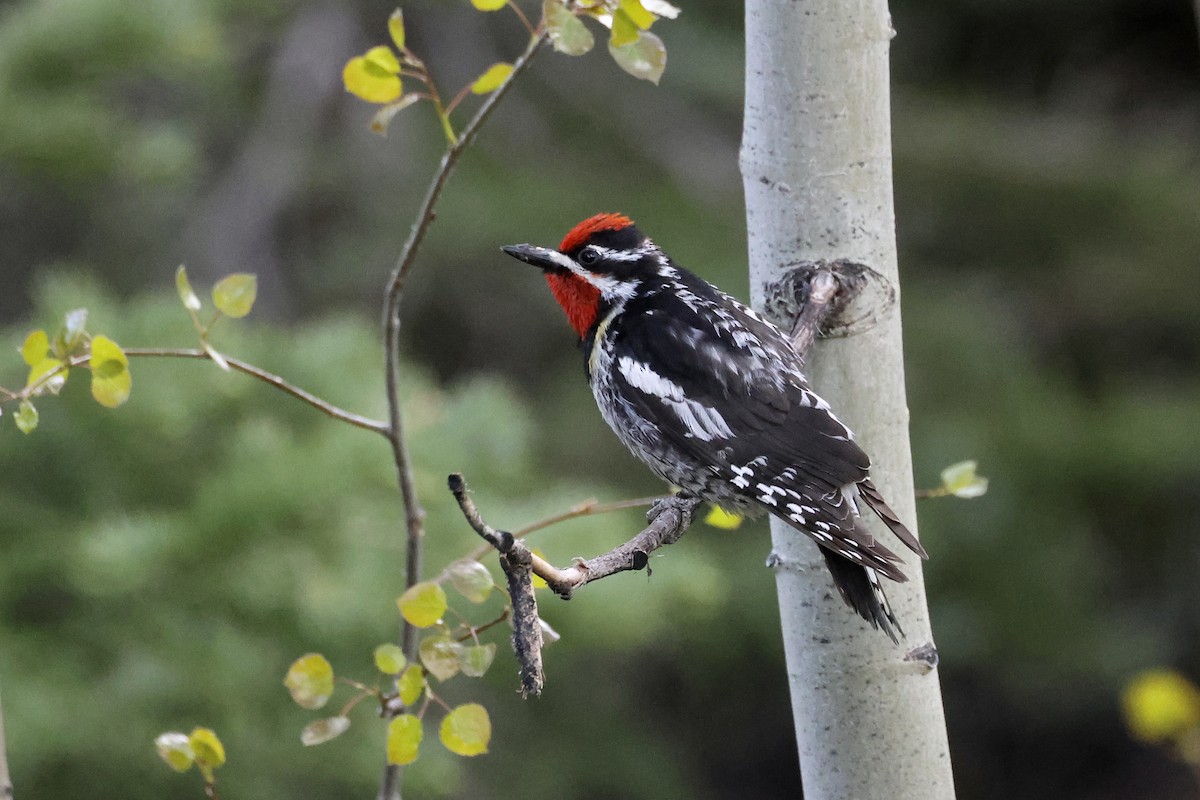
[(414, 513)]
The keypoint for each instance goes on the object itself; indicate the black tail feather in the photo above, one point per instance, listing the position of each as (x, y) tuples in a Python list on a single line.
[(861, 590), (874, 499)]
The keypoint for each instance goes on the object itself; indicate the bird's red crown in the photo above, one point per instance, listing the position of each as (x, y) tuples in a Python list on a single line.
[(577, 237)]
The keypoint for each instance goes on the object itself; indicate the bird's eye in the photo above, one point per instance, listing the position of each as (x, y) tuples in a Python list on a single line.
[(589, 255)]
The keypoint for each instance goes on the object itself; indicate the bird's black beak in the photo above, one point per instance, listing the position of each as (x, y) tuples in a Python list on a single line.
[(542, 257)]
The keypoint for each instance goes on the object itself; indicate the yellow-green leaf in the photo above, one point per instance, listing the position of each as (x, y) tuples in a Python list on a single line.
[(1160, 705), (411, 684), (477, 659), (26, 417), (490, 80), (323, 730), (423, 604), (396, 28), (389, 659), (183, 286), (404, 739), (467, 730), (644, 58), (383, 117), (367, 81), (624, 30), (489, 5), (384, 58), (111, 381), (442, 656), (47, 366), (175, 749), (310, 680), (36, 348), (718, 517), (961, 480), (471, 579), (207, 748), (568, 34), (234, 294), (637, 13)]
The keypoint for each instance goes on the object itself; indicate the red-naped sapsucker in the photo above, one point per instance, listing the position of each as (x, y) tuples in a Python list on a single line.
[(711, 396)]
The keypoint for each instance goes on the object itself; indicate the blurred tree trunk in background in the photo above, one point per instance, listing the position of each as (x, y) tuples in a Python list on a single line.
[(817, 170)]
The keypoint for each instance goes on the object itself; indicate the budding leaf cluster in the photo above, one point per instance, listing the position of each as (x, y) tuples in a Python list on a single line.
[(202, 747)]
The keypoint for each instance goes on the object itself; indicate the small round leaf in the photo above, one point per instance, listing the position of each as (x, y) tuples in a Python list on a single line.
[(489, 5), (323, 730), (477, 659), (49, 373), (26, 417), (637, 13), (396, 28), (207, 748), (961, 480), (234, 294), (423, 604), (442, 656), (174, 748), (367, 81), (492, 78), (645, 58), (467, 730), (404, 739), (568, 34), (310, 680), (74, 324), (36, 348), (411, 684), (183, 286), (389, 659), (718, 517), (471, 579), (383, 117), (1160, 705), (111, 380)]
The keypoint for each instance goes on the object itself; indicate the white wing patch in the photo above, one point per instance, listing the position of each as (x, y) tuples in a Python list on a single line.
[(701, 421)]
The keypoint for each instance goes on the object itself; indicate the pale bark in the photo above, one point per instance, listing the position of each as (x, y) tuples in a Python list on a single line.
[(817, 168)]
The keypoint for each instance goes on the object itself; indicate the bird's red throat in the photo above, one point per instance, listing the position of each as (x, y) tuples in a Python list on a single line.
[(577, 297)]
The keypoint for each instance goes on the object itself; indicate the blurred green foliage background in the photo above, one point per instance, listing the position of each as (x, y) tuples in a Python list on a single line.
[(162, 564)]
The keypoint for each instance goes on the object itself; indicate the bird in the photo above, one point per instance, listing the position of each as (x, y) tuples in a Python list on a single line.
[(712, 397)]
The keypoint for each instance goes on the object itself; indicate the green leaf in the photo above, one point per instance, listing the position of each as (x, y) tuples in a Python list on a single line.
[(423, 604), (111, 381), (645, 58), (186, 295), (383, 117), (467, 730), (404, 739), (367, 81), (36, 348), (389, 659), (492, 78), (207, 748), (442, 656), (718, 517), (48, 366), (624, 30), (383, 58), (323, 730), (568, 34), (477, 659), (960, 480), (234, 294), (637, 13), (73, 331), (26, 417), (310, 680), (396, 28), (175, 749), (471, 579), (489, 5), (411, 684)]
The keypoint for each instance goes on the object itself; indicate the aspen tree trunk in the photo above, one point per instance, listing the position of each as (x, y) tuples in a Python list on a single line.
[(817, 167)]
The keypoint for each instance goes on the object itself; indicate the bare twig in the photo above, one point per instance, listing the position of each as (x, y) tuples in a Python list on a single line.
[(414, 514)]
